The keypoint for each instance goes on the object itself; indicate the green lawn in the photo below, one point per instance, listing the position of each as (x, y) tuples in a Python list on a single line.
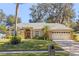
[(36, 54), (28, 45)]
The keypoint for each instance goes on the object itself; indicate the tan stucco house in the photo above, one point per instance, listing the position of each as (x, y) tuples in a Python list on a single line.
[(56, 30)]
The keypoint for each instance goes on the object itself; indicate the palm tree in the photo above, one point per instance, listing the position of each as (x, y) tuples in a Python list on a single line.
[(16, 14), (45, 31)]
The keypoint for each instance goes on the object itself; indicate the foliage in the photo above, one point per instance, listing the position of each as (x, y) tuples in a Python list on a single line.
[(76, 37), (38, 37), (3, 28), (70, 24), (76, 27), (41, 37), (28, 45), (15, 40), (2, 16), (35, 37), (2, 21), (11, 20), (46, 33), (53, 12)]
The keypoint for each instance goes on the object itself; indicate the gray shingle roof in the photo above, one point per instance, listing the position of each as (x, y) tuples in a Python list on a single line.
[(41, 25)]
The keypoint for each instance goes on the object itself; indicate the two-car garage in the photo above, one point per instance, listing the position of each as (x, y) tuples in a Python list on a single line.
[(60, 31), (61, 35)]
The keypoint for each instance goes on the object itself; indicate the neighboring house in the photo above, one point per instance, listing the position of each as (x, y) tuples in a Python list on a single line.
[(56, 30)]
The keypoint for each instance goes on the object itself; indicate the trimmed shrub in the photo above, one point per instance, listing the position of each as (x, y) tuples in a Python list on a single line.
[(15, 40), (35, 37), (8, 37), (41, 38)]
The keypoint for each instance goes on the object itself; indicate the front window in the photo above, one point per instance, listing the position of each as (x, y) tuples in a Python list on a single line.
[(36, 33)]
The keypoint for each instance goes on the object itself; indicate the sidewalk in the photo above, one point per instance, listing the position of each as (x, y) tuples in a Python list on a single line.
[(7, 52)]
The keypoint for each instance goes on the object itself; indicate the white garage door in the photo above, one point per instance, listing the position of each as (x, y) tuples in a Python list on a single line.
[(61, 35)]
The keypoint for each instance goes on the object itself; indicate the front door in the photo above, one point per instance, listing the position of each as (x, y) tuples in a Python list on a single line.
[(27, 33)]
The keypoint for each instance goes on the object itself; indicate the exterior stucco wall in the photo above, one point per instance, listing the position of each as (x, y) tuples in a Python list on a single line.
[(65, 34)]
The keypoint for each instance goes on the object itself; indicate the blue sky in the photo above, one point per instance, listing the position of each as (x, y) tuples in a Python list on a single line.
[(76, 8), (9, 9)]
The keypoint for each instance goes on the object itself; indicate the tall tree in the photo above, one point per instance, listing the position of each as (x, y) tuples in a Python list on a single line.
[(53, 12), (16, 15), (76, 27), (2, 16)]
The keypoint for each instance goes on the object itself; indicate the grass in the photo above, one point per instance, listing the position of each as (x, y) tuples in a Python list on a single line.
[(36, 54), (28, 45)]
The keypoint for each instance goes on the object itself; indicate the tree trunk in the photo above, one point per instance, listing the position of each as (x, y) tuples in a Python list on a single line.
[(16, 14)]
